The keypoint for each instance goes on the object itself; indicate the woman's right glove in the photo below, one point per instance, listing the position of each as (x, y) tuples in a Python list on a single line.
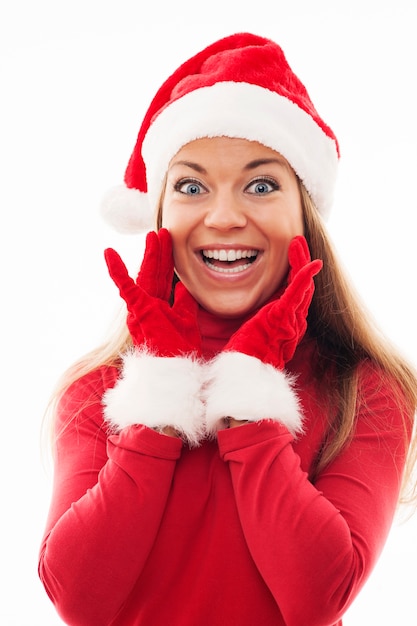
[(247, 381), (161, 379)]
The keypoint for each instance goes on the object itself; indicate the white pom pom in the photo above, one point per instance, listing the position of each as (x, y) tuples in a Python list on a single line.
[(127, 210)]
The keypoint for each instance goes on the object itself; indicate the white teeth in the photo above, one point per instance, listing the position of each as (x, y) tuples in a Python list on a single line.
[(229, 255), (228, 270)]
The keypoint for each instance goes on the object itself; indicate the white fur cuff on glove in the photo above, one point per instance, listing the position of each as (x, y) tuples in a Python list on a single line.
[(242, 387), (157, 392)]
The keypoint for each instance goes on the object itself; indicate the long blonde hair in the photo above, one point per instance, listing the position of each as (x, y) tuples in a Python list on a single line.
[(344, 332)]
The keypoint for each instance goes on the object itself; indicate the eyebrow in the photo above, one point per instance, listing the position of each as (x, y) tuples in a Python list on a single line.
[(258, 162), (249, 166), (194, 166)]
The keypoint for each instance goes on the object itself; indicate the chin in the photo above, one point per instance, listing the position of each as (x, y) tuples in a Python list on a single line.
[(229, 309)]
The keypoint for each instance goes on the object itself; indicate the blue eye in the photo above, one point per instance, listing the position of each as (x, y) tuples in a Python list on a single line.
[(262, 187), (189, 187)]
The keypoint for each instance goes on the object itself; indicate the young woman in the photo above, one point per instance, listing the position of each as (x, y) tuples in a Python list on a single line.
[(236, 452)]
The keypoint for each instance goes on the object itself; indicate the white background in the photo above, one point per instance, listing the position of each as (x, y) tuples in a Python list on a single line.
[(76, 79)]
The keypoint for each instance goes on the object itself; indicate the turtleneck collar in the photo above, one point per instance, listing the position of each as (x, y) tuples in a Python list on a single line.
[(216, 331)]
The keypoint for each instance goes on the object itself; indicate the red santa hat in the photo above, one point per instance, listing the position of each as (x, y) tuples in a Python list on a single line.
[(240, 86)]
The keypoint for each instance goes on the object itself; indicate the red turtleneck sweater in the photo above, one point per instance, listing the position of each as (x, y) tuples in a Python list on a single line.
[(143, 531)]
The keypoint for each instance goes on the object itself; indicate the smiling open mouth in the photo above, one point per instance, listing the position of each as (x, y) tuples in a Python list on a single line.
[(229, 261)]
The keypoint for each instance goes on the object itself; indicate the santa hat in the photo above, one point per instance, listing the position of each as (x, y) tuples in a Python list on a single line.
[(240, 86)]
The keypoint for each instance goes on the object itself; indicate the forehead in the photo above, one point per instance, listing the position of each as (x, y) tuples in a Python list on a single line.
[(227, 149)]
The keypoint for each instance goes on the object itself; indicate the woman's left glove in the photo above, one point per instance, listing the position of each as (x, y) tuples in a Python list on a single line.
[(247, 381), (163, 329), (161, 377)]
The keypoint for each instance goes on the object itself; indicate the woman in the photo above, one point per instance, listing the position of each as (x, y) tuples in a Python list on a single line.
[(235, 454)]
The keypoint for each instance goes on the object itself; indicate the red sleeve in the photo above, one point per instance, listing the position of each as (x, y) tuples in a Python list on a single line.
[(91, 555), (315, 545)]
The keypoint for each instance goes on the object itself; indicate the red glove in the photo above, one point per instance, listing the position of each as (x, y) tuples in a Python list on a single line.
[(161, 379), (152, 322), (274, 333), (246, 381)]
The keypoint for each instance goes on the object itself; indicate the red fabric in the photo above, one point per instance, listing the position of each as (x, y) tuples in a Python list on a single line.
[(144, 531), (165, 330), (241, 57), (273, 334)]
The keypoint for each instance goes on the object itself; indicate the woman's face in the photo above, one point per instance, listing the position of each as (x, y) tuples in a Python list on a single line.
[(232, 207)]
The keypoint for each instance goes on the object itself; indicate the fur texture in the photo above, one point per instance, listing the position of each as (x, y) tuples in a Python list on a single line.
[(157, 392), (250, 112), (127, 210), (243, 387), (240, 86)]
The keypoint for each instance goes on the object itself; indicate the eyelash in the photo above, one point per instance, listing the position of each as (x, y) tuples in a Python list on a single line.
[(188, 181), (264, 179)]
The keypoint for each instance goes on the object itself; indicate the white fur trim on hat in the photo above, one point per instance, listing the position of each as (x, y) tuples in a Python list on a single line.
[(243, 387), (157, 392), (246, 111)]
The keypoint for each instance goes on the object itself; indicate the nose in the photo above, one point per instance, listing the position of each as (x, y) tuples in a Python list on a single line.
[(225, 212)]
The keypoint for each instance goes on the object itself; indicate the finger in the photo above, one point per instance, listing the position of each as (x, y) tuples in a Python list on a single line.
[(299, 293), (119, 274), (166, 264), (304, 277), (146, 277), (157, 269), (298, 255)]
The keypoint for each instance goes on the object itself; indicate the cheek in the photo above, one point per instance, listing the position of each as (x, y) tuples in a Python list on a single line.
[(299, 228), (295, 219), (282, 232), (178, 233), (164, 219), (299, 217), (173, 217)]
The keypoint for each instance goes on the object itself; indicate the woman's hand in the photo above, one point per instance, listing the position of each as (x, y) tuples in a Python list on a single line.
[(161, 380), (247, 381), (231, 422), (163, 329), (274, 333)]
